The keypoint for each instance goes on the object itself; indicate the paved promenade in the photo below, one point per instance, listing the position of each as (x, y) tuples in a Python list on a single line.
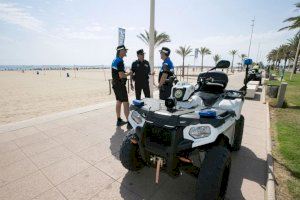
[(74, 155)]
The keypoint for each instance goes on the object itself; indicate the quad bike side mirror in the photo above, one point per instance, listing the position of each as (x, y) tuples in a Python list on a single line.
[(223, 64)]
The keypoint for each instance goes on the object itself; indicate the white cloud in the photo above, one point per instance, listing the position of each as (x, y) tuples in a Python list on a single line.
[(91, 32), (6, 39), (12, 14), (239, 39), (84, 35), (94, 28), (222, 44)]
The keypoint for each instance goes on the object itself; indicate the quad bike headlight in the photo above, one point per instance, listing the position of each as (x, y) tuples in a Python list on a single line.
[(200, 132), (178, 93), (136, 117)]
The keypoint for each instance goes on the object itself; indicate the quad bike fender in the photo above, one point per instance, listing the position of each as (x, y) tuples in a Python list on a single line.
[(232, 104), (226, 129)]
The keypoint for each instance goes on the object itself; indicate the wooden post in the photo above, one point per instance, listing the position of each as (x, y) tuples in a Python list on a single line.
[(281, 95), (109, 83)]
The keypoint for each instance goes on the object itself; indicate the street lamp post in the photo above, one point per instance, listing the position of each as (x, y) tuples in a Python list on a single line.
[(151, 43), (251, 37)]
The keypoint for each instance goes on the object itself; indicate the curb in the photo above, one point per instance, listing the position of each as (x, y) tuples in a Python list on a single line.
[(270, 186)]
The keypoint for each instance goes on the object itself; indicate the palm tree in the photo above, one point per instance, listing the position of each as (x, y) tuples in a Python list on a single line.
[(294, 20), (233, 53), (284, 54), (242, 56), (203, 51), (293, 44), (271, 57), (295, 24), (216, 58), (183, 52), (159, 38)]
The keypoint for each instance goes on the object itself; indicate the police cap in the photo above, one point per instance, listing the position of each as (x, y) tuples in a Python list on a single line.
[(165, 50), (140, 52), (121, 47)]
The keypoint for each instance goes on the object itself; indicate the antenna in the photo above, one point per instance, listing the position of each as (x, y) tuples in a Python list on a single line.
[(252, 25), (257, 58)]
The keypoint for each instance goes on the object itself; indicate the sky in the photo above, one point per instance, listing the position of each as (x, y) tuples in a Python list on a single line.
[(85, 32)]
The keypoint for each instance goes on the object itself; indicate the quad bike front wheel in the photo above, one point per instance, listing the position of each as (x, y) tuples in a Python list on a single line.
[(238, 134), (129, 155), (214, 174)]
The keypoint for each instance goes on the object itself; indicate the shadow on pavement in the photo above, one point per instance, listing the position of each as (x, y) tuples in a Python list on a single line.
[(117, 139), (259, 89), (257, 97), (246, 167)]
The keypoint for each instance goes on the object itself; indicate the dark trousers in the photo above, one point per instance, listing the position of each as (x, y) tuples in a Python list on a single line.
[(165, 91), (139, 88)]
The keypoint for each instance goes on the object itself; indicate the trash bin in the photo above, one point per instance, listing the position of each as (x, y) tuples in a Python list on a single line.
[(272, 90)]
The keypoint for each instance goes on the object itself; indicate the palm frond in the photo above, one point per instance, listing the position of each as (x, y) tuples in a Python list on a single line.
[(158, 38)]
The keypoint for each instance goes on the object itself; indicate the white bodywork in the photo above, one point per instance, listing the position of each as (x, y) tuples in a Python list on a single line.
[(228, 128), (189, 89)]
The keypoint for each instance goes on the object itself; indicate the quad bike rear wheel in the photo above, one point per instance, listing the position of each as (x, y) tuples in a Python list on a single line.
[(129, 155), (214, 174), (238, 134)]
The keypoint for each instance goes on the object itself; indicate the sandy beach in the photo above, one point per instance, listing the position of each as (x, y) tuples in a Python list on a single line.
[(27, 95)]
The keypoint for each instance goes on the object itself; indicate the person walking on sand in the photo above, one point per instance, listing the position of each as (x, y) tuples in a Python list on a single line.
[(140, 71), (166, 71), (119, 78)]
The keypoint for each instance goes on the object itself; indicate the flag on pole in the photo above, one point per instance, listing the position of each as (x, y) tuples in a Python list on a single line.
[(196, 52), (121, 36)]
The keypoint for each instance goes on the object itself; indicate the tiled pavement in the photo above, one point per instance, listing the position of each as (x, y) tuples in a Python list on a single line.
[(76, 157)]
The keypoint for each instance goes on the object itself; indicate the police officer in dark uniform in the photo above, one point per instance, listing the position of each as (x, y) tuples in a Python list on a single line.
[(140, 75), (119, 78), (165, 82)]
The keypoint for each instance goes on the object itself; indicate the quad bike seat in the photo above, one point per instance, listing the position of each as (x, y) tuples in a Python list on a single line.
[(216, 82), (214, 86), (208, 98)]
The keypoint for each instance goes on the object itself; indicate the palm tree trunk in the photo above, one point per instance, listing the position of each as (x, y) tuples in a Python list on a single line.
[(295, 60), (282, 75), (202, 62), (183, 67), (242, 65), (232, 63)]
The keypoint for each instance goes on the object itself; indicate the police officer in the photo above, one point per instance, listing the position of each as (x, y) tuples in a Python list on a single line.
[(119, 78), (167, 70), (140, 74)]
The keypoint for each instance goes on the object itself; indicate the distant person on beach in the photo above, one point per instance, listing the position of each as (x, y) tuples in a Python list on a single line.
[(166, 71), (119, 78), (140, 70)]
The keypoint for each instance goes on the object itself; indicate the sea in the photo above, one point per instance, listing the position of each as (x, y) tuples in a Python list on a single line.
[(49, 67)]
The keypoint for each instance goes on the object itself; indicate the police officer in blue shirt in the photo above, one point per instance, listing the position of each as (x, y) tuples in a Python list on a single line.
[(165, 74), (119, 78)]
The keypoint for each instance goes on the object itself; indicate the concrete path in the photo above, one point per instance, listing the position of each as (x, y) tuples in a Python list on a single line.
[(74, 155)]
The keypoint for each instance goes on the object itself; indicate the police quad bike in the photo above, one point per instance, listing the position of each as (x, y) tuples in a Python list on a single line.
[(193, 131), (255, 75)]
